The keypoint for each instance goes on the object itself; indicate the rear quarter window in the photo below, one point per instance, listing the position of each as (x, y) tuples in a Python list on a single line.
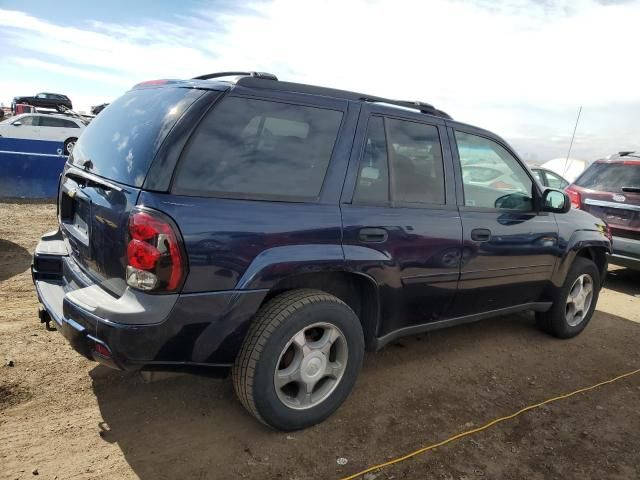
[(122, 141), (258, 149)]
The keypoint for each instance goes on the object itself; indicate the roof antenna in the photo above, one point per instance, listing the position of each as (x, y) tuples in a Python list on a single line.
[(566, 162)]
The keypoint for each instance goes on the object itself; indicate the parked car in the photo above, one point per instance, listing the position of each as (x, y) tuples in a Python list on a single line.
[(277, 230), (96, 109), (498, 176), (44, 126), (549, 179), (44, 100), (610, 190)]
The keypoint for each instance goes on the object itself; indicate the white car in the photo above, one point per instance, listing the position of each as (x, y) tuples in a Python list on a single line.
[(37, 126), (500, 177)]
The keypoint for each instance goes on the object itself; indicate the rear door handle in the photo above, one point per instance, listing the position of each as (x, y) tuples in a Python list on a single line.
[(480, 234), (373, 235)]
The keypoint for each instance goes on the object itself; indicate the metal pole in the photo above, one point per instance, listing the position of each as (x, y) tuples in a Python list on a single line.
[(566, 165)]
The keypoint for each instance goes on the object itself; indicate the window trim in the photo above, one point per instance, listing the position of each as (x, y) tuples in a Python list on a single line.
[(536, 193), (260, 197), (392, 203)]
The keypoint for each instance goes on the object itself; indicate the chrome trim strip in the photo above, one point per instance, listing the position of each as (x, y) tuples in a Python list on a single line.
[(34, 154), (602, 203)]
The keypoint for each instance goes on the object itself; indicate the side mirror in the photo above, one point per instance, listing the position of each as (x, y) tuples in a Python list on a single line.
[(17, 124), (556, 201)]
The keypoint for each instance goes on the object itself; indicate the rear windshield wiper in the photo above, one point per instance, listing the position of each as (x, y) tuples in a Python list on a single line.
[(76, 173), (631, 189)]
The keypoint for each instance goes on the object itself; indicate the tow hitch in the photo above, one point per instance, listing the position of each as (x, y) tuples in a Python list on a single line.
[(44, 316)]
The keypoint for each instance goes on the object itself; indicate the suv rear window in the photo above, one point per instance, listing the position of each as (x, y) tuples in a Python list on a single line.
[(610, 177), (122, 141), (260, 150)]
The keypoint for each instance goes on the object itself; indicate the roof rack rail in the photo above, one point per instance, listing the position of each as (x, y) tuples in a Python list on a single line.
[(209, 76), (257, 79), (417, 105)]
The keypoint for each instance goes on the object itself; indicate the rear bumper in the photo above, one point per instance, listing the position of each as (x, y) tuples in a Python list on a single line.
[(139, 330), (626, 253)]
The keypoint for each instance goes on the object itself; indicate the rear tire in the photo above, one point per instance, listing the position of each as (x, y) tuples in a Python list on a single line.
[(69, 143), (61, 108), (299, 360), (574, 302)]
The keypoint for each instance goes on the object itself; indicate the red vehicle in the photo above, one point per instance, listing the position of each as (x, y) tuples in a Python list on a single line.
[(610, 189)]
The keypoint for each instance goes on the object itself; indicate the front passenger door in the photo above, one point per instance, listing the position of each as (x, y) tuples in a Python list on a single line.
[(25, 127), (509, 248)]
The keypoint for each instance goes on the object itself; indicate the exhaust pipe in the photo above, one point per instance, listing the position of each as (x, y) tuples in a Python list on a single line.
[(44, 316)]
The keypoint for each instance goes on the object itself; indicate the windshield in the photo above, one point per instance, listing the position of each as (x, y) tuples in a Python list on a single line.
[(121, 142), (611, 177)]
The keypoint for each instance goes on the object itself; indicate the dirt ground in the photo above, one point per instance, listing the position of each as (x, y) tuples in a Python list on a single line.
[(64, 417)]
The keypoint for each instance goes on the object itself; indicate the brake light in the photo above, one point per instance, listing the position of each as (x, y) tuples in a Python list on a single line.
[(574, 195), (154, 255), (142, 255)]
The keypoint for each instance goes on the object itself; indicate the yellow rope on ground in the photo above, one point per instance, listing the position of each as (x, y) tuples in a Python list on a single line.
[(488, 425)]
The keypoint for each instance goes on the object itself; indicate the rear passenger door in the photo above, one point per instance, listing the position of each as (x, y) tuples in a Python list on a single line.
[(400, 220), (509, 247)]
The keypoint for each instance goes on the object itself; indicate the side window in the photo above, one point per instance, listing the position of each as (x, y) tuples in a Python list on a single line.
[(26, 121), (69, 124), (52, 122), (555, 181), (417, 171), (373, 175), (41, 95), (508, 186), (259, 149)]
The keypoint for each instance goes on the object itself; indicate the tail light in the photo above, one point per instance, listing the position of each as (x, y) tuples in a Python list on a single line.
[(155, 258), (574, 195)]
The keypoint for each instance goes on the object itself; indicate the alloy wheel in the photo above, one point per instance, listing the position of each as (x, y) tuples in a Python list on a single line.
[(311, 366), (579, 299)]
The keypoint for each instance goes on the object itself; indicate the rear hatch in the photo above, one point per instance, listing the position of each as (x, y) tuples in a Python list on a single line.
[(611, 191), (104, 175)]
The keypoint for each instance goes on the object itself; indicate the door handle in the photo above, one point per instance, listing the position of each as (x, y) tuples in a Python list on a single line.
[(481, 234), (373, 235)]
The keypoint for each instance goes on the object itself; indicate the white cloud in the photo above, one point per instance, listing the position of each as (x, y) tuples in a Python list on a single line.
[(519, 67)]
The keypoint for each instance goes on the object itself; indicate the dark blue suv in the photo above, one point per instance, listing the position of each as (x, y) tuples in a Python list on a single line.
[(234, 221)]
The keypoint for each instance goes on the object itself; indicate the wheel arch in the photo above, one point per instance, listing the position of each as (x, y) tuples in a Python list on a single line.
[(357, 290), (587, 244)]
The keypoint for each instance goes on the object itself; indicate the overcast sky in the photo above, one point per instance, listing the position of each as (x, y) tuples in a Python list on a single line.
[(520, 68)]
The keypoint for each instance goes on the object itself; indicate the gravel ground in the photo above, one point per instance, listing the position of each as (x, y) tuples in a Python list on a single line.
[(65, 417)]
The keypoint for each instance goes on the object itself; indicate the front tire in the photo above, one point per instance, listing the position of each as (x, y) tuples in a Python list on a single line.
[(299, 360), (574, 302)]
